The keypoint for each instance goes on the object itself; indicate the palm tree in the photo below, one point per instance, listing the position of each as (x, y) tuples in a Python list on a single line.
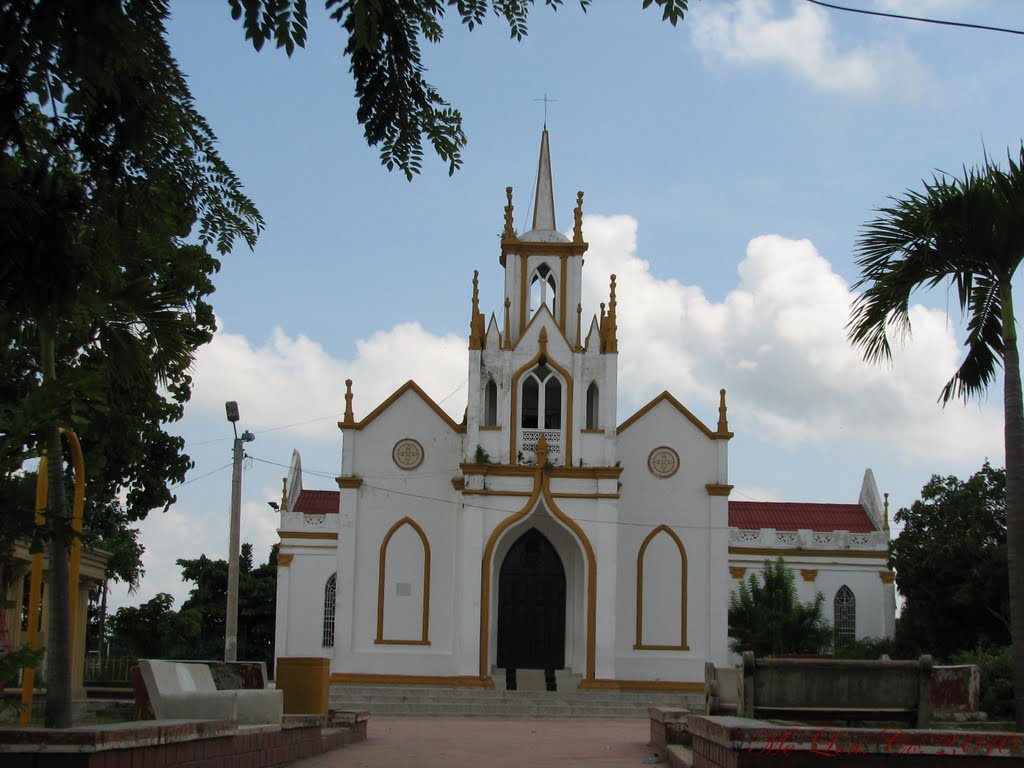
[(969, 230)]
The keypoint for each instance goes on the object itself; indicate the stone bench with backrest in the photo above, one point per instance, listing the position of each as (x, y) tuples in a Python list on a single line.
[(179, 690), (827, 689)]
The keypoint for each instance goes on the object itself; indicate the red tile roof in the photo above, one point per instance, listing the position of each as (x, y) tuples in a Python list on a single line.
[(787, 516), (317, 502)]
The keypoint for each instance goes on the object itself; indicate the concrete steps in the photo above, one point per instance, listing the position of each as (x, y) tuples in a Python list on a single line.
[(478, 702)]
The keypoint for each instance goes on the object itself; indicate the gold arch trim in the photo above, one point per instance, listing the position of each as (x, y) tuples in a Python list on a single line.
[(382, 567), (541, 490), (668, 398), (407, 387), (683, 587)]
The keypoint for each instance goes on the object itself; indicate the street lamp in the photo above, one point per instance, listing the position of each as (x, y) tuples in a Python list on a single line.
[(231, 615)]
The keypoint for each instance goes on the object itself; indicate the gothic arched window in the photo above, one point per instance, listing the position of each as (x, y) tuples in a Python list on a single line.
[(845, 623), (330, 597), (491, 404), (542, 289), (592, 403), (542, 395)]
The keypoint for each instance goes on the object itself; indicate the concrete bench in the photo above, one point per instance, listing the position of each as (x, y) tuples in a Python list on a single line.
[(180, 690), (721, 689), (818, 689)]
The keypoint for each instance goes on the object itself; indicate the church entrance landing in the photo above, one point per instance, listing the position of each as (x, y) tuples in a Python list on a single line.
[(531, 609)]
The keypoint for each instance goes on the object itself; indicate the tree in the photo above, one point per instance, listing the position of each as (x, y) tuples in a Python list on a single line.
[(950, 563), (766, 617), (257, 605), (968, 230), (397, 106), (112, 193)]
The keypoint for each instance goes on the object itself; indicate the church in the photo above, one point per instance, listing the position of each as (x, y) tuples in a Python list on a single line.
[(544, 531)]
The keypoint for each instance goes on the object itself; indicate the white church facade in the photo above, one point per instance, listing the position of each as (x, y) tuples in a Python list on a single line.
[(543, 532)]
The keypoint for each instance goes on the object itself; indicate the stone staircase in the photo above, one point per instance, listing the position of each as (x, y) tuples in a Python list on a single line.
[(419, 700)]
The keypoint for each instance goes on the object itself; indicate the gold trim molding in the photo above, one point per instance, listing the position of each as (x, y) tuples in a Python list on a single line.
[(348, 482), (670, 686), (809, 574), (887, 577), (790, 553), (463, 681), (737, 571), (718, 489), (284, 559), (308, 535)]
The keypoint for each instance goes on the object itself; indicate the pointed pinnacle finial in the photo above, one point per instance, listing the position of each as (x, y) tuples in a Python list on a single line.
[(544, 205), (506, 342), (284, 494), (577, 227), (477, 331), (579, 327), (543, 341), (723, 422), (885, 524), (349, 418), (611, 340), (510, 232)]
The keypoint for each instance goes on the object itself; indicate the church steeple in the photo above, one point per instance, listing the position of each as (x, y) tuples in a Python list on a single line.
[(544, 208), (542, 265)]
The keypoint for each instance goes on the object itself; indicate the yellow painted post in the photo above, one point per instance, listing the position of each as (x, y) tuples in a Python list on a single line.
[(76, 526), (28, 675)]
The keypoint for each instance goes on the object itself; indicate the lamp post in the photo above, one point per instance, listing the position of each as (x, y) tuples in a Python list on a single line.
[(231, 614)]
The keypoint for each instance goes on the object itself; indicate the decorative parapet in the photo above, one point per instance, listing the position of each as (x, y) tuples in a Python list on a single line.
[(804, 539)]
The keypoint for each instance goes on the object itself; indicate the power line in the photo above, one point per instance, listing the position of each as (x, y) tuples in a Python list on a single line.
[(922, 19), (211, 472)]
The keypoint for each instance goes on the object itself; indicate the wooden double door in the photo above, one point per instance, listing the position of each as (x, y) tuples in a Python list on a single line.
[(531, 605)]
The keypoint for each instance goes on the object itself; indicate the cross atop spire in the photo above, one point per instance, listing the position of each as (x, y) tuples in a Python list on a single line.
[(544, 208)]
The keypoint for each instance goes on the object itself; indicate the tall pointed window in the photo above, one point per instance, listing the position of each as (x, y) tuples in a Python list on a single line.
[(543, 290), (845, 624), (592, 403), (491, 404), (330, 598), (542, 400)]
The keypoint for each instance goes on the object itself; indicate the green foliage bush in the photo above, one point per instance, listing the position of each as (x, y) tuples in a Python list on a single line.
[(996, 664)]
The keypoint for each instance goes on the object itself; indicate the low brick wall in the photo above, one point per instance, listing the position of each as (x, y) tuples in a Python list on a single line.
[(731, 742), (668, 726), (189, 744)]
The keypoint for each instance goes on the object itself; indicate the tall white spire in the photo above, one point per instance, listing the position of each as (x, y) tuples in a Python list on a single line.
[(544, 208)]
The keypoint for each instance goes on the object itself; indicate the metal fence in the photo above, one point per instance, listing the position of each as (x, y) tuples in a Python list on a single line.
[(108, 670)]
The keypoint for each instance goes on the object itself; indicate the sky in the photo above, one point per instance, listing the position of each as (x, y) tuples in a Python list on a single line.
[(729, 165)]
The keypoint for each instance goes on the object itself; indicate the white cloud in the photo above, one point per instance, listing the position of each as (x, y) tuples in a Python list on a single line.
[(291, 380), (777, 343), (746, 32)]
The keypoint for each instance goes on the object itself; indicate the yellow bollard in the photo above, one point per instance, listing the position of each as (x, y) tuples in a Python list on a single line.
[(28, 676)]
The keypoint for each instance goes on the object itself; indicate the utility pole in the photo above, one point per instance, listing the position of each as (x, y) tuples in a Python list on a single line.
[(231, 614)]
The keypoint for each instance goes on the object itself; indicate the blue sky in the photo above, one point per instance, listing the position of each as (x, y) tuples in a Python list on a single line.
[(728, 165)]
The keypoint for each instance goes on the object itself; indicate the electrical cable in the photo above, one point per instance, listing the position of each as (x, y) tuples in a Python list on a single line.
[(923, 19)]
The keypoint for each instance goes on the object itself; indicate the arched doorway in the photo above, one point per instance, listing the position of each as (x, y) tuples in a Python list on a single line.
[(531, 608)]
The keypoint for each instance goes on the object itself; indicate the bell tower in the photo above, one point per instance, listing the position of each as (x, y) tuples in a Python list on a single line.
[(542, 266), (540, 376)]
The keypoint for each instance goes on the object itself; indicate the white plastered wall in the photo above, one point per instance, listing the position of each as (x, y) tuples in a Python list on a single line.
[(389, 494), (682, 503)]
